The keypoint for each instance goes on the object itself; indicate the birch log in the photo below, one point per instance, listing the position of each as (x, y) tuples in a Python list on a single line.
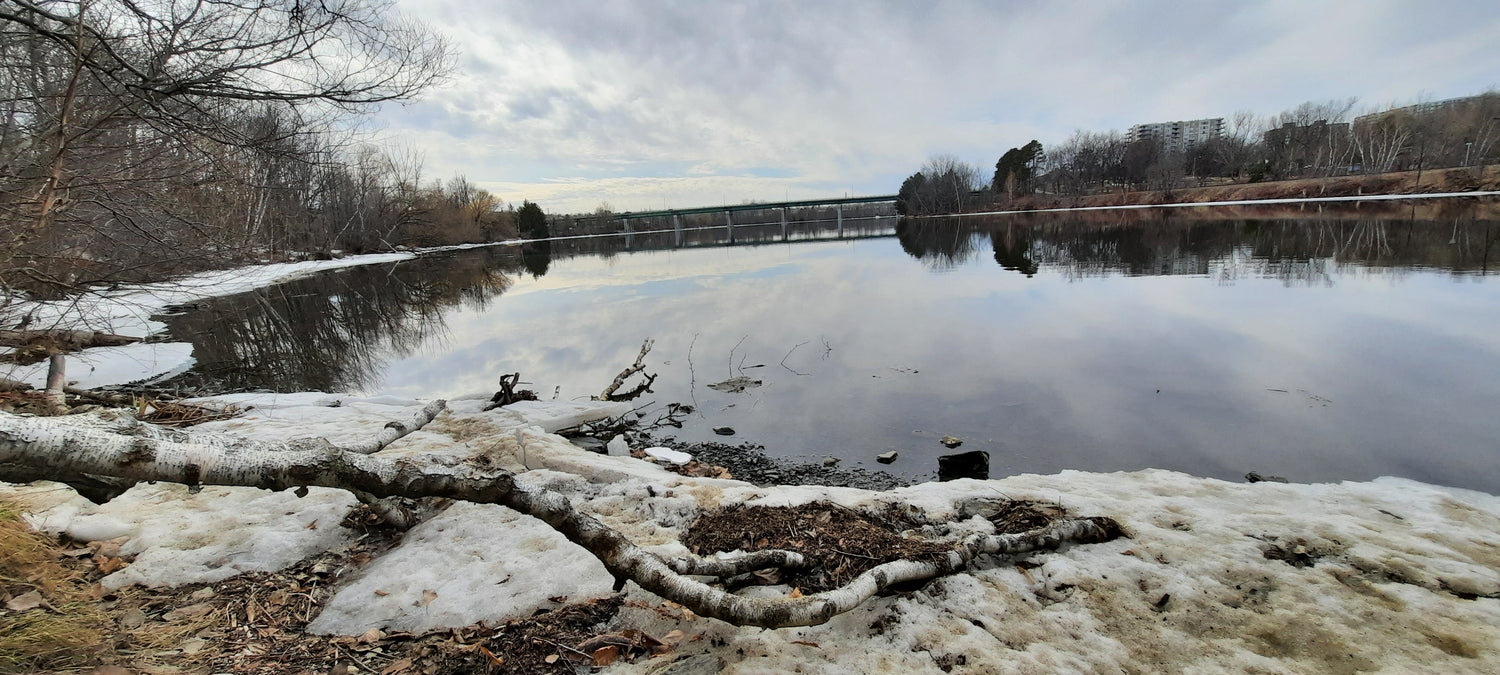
[(51, 446)]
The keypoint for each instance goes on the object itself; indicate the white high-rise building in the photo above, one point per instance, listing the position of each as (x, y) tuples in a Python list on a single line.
[(1178, 136)]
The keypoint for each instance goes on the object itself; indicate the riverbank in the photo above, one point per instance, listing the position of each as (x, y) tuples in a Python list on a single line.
[(1212, 576), (128, 309), (1434, 181)]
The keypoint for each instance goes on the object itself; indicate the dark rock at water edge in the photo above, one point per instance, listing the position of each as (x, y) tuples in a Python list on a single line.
[(750, 463), (886, 457), (588, 443), (724, 431), (971, 464), (1256, 477)]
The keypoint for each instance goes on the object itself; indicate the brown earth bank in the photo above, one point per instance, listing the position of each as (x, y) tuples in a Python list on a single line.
[(1472, 179)]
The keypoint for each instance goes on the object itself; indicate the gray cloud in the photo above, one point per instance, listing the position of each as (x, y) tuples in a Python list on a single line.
[(564, 102)]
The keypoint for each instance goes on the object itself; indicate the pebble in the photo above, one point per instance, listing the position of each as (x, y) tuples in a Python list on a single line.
[(886, 457), (724, 431), (750, 463)]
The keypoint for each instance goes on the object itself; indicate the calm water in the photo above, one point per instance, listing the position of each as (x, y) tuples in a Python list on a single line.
[(1319, 348)]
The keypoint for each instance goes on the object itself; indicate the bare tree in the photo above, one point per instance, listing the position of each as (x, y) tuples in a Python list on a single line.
[(143, 136)]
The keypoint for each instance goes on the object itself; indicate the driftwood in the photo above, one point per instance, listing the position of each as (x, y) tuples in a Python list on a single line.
[(33, 346), (645, 387), (53, 447), (508, 393)]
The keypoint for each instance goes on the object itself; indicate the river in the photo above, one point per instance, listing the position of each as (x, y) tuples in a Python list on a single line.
[(1317, 344)]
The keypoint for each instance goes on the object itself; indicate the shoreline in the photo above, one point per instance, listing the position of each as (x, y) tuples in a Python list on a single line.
[(1213, 574), (1406, 185)]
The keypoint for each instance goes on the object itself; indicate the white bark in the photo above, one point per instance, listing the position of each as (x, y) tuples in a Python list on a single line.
[(65, 449), (396, 430)]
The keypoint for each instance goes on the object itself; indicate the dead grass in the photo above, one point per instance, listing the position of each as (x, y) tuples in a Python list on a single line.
[(64, 629)]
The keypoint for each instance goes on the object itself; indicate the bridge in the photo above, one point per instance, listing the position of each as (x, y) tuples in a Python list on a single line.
[(785, 214)]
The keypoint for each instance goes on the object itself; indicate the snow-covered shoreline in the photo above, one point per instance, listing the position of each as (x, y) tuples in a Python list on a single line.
[(127, 310), (1389, 574)]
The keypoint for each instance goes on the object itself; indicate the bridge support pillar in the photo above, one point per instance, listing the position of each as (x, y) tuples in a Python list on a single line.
[(729, 223), (841, 221), (783, 223), (629, 235), (677, 229)]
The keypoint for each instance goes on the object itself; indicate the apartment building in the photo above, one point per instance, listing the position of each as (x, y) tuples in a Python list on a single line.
[(1178, 136)]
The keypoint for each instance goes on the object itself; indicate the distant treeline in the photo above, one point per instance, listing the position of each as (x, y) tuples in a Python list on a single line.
[(1313, 140)]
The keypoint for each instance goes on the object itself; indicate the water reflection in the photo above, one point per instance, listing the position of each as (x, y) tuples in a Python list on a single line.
[(1321, 346), (337, 331), (1296, 247), (536, 257)]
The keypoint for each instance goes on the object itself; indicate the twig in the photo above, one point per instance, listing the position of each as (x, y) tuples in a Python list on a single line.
[(692, 375), (638, 366), (788, 355), (854, 555), (731, 354), (356, 661), (559, 645)]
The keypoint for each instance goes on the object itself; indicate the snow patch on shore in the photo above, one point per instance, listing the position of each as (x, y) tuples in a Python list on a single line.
[(1389, 574), (472, 563)]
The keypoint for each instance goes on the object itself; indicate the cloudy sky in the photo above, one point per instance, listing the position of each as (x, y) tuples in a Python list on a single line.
[(679, 104)]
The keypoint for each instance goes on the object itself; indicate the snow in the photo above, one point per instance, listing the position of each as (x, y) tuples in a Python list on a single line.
[(102, 366), (127, 310), (1403, 576), (669, 455), (179, 538), (520, 560)]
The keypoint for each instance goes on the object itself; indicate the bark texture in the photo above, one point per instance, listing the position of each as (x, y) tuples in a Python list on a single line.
[(53, 447)]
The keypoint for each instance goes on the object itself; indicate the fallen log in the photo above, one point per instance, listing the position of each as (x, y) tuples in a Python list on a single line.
[(49, 446), (60, 340)]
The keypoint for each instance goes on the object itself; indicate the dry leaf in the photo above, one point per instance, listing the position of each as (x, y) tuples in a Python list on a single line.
[(552, 659), (188, 613), (110, 565), (382, 593), (805, 643), (673, 637), (372, 636), (24, 602), (78, 552), (396, 667), (796, 593), (493, 659), (768, 577), (606, 655), (427, 597)]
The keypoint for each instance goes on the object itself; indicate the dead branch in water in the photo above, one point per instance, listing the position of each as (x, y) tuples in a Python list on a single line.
[(645, 387)]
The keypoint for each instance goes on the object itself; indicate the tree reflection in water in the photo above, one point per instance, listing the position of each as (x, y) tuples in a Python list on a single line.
[(333, 331), (1296, 247)]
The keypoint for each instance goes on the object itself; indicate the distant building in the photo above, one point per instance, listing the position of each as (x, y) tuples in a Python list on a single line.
[(1308, 135), (1178, 136), (1419, 109)]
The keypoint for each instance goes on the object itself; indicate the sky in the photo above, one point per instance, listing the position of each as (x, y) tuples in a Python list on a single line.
[(649, 105)]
